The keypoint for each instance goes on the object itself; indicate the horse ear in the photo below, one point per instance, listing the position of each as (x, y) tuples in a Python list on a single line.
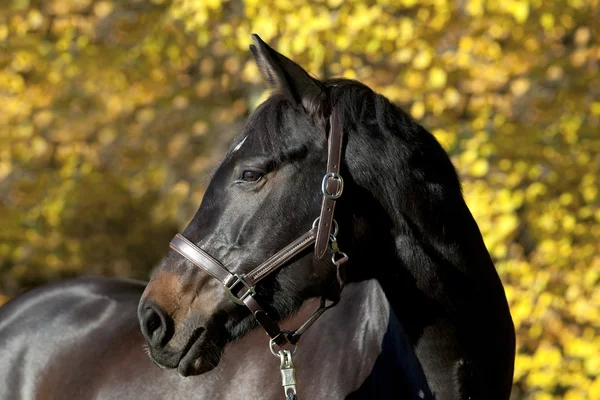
[(287, 77)]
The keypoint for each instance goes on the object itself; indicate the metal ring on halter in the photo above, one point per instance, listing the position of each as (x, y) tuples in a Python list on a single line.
[(336, 228), (272, 347), (341, 260), (336, 177)]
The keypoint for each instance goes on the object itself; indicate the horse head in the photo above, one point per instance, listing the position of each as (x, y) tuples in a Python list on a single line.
[(264, 194), (402, 220)]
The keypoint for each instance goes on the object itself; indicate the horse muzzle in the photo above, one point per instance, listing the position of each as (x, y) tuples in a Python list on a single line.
[(181, 323), (193, 352)]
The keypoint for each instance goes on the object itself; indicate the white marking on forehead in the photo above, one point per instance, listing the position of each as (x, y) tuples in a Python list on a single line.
[(239, 144)]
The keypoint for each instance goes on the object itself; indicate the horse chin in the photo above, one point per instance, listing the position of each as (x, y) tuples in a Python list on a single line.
[(203, 356)]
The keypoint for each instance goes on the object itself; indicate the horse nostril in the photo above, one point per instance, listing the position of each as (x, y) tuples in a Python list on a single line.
[(151, 322), (156, 325)]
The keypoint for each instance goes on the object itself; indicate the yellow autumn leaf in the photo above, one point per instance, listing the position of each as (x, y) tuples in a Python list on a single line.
[(417, 110), (519, 86), (437, 77), (520, 10), (423, 59), (479, 168), (103, 8)]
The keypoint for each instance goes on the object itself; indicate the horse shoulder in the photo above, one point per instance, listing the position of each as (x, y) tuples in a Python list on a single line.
[(49, 336)]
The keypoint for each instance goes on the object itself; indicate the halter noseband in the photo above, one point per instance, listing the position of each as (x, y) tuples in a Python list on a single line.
[(240, 287)]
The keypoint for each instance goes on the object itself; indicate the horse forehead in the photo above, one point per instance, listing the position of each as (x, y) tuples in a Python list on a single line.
[(240, 144)]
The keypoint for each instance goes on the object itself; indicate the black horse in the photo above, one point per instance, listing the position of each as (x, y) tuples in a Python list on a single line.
[(80, 339), (402, 222)]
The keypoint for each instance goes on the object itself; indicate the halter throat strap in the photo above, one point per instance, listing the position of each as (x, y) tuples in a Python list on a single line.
[(240, 288)]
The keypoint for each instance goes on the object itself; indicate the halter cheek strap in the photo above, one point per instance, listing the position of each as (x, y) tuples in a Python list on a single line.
[(332, 185), (240, 287)]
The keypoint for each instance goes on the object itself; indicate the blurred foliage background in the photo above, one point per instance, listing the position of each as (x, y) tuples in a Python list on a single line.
[(113, 112)]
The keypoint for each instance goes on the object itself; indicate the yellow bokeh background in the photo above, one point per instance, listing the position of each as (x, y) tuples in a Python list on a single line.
[(113, 112)]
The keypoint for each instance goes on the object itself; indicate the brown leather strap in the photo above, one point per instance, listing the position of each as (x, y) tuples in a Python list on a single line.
[(218, 271), (331, 185), (281, 257), (263, 319), (199, 257), (205, 261)]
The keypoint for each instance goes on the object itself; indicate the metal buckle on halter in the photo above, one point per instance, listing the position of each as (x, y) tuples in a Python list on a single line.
[(336, 177), (230, 285)]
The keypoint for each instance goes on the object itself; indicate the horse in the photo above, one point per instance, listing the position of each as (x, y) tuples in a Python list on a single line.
[(80, 339), (402, 221), (329, 191)]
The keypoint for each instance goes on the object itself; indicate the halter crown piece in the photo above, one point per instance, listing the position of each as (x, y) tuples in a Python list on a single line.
[(240, 287)]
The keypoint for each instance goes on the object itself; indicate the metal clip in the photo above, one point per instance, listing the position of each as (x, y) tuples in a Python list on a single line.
[(335, 250), (334, 244), (288, 375)]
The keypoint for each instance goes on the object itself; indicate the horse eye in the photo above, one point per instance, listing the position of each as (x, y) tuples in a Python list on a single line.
[(251, 176)]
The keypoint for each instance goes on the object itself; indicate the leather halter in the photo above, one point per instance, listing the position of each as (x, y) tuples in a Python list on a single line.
[(240, 287)]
